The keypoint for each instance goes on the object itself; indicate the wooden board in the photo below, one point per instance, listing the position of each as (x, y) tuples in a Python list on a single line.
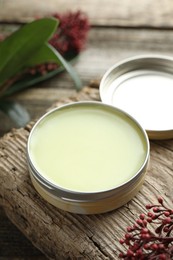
[(61, 235), (124, 13)]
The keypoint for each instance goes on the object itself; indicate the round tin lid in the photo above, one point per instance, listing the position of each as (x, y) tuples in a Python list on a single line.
[(143, 87)]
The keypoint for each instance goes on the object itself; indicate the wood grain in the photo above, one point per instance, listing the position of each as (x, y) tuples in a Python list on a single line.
[(126, 13), (61, 235)]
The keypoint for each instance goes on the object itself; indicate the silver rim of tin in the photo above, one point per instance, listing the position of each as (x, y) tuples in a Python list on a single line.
[(71, 195), (160, 63)]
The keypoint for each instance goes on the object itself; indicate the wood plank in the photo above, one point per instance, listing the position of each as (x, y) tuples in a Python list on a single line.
[(155, 13), (61, 235)]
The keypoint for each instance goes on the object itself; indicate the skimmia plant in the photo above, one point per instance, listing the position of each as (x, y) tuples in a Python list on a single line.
[(38, 51), (143, 244)]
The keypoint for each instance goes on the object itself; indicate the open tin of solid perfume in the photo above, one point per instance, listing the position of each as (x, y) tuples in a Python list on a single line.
[(143, 87), (87, 157)]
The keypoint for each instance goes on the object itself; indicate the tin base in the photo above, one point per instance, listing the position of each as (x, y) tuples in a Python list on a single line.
[(91, 207)]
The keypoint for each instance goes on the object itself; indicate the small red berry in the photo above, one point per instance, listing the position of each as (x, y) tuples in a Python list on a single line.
[(145, 222), (154, 246), (142, 216), (156, 209), (145, 236), (150, 214), (127, 242), (165, 229), (135, 246), (43, 72), (135, 227), (128, 236), (166, 220), (161, 246), (149, 220), (154, 217), (139, 252), (146, 246), (162, 257), (121, 255), (144, 231), (122, 241), (160, 200), (32, 71), (148, 206), (167, 213), (139, 222), (129, 229), (130, 253)]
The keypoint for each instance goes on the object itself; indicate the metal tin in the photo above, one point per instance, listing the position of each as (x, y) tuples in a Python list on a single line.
[(143, 87), (83, 202)]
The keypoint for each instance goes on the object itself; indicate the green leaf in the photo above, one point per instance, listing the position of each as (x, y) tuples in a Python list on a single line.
[(18, 48), (16, 112), (49, 54), (67, 66), (31, 80), (46, 54)]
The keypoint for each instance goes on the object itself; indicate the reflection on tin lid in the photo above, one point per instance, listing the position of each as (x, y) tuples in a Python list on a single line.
[(143, 87)]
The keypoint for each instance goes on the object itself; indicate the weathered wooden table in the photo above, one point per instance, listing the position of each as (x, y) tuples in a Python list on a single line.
[(120, 29)]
